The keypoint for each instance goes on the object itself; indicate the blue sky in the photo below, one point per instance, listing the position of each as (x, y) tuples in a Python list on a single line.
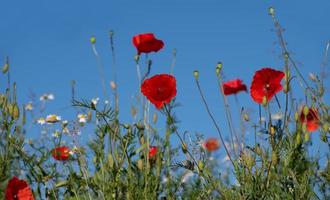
[(48, 45)]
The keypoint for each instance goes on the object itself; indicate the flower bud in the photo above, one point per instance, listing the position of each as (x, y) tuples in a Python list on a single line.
[(92, 40), (184, 148), (246, 117), (154, 118), (196, 74), (113, 85), (136, 58), (271, 11), (325, 127), (298, 138), (312, 77), (89, 116), (305, 110), (307, 136), (272, 130), (296, 116), (5, 68)]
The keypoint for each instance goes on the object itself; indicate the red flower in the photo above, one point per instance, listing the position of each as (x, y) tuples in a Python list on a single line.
[(61, 153), (146, 43), (152, 151), (159, 89), (266, 83), (211, 144), (311, 119), (18, 190), (233, 87)]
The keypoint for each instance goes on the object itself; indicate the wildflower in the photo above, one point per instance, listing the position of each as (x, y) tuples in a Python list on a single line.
[(56, 134), (29, 106), (61, 153), (152, 151), (41, 121), (211, 144), (46, 97), (146, 43), (18, 190), (95, 101), (82, 118), (233, 87), (310, 118), (266, 83), (51, 119), (159, 89)]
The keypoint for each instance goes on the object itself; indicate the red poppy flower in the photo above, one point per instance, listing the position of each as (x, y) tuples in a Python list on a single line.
[(233, 87), (266, 83), (18, 190), (311, 119), (146, 43), (152, 151), (61, 153), (211, 144), (159, 89)]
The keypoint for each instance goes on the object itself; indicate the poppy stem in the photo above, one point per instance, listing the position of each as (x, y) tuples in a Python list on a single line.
[(213, 120), (114, 68), (100, 70), (228, 115)]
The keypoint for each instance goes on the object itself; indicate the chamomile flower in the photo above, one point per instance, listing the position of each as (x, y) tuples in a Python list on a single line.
[(29, 106), (53, 118), (47, 96), (82, 118)]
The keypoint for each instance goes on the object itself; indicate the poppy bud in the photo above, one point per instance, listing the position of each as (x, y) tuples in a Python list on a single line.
[(305, 110), (272, 130), (92, 40), (298, 138), (200, 165), (184, 148), (219, 65), (5, 68), (196, 74), (271, 11), (296, 116), (246, 117), (304, 127), (307, 136), (326, 127), (286, 55)]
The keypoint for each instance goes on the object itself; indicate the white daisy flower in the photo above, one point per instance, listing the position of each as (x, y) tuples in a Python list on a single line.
[(29, 106), (41, 121), (82, 118), (53, 118), (47, 96)]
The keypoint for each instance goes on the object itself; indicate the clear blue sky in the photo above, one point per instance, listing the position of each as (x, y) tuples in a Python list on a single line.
[(48, 45)]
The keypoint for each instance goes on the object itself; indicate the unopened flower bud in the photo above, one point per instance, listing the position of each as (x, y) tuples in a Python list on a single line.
[(312, 77), (298, 138), (140, 164), (196, 74), (296, 116), (154, 118), (184, 148), (113, 85), (92, 40), (5, 68), (271, 11), (307, 136), (274, 158), (305, 110), (326, 127), (136, 58), (246, 117)]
